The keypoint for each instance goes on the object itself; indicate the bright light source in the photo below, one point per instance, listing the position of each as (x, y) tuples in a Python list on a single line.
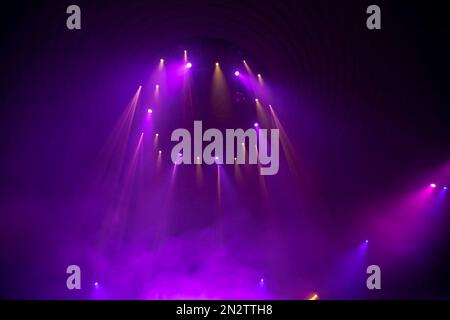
[(314, 297), (256, 124), (217, 64), (433, 185), (237, 73), (188, 65), (149, 111), (259, 75)]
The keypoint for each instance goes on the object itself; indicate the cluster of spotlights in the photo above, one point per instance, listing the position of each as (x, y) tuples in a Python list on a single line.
[(434, 185)]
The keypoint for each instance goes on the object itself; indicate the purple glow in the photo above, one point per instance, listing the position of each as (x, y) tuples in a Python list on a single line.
[(149, 111), (96, 284), (237, 73), (256, 124), (366, 241), (433, 185), (188, 65), (445, 188)]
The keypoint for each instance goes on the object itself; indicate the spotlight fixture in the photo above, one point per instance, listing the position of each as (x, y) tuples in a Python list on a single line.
[(314, 297), (256, 124), (159, 151), (445, 188), (237, 73), (161, 60), (157, 86), (366, 241), (149, 111), (433, 185), (259, 75), (157, 135), (256, 100), (217, 64), (188, 65)]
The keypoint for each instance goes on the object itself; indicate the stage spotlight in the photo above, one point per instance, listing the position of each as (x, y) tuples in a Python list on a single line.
[(256, 124), (96, 284), (445, 188), (149, 111), (366, 241), (161, 60), (157, 135), (256, 100), (237, 73), (188, 65), (433, 185), (157, 86), (217, 64), (314, 297), (259, 75), (244, 61)]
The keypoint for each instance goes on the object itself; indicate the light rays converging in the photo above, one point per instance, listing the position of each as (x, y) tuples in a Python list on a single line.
[(113, 153)]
